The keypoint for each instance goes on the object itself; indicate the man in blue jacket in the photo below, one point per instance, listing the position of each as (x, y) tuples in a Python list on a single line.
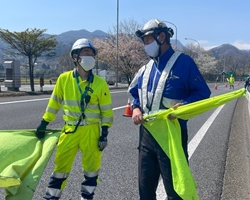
[(170, 79)]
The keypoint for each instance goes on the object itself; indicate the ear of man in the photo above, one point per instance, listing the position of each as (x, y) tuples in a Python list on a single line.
[(162, 37)]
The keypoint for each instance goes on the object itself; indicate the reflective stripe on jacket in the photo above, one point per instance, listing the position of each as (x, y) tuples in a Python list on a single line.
[(66, 95), (183, 84), (150, 101)]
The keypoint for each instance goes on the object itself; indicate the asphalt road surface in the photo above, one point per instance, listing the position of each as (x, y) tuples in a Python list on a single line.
[(218, 149)]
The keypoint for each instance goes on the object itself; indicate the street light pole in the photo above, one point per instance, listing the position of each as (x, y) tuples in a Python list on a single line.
[(117, 33), (195, 41), (175, 33)]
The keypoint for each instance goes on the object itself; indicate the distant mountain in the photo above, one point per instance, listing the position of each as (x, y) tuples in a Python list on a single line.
[(66, 40), (227, 50), (71, 36)]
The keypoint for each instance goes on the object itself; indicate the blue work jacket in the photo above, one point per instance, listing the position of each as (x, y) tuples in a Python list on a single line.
[(184, 81)]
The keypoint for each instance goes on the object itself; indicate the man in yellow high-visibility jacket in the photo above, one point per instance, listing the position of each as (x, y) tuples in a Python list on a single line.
[(86, 103), (231, 81)]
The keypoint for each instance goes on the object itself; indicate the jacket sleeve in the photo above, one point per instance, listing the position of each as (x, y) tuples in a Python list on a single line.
[(55, 101), (105, 103)]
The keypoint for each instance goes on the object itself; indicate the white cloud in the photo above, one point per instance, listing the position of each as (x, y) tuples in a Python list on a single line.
[(210, 47), (241, 45), (238, 44), (205, 45), (203, 42)]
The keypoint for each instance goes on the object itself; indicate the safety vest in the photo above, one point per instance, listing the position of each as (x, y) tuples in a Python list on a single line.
[(231, 80), (151, 101), (67, 96)]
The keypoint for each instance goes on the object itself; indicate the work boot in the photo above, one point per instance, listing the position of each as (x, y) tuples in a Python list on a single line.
[(85, 199), (48, 197)]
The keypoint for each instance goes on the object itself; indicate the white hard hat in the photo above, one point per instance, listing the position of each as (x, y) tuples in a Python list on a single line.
[(82, 43), (154, 26)]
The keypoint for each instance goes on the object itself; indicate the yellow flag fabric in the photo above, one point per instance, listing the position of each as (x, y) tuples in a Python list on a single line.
[(168, 135), (191, 110), (23, 159)]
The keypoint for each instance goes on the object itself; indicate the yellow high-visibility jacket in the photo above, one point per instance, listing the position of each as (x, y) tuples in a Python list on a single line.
[(66, 95), (231, 80)]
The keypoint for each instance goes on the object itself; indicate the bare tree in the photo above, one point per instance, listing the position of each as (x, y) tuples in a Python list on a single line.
[(236, 63), (207, 64), (192, 50), (30, 43), (247, 66), (131, 55), (66, 62)]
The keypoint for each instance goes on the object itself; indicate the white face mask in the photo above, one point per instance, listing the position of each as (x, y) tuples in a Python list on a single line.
[(152, 49), (87, 62)]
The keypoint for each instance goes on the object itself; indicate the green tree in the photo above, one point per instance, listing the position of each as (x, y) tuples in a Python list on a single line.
[(31, 43)]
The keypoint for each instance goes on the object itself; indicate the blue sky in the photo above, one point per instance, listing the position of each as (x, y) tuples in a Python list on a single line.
[(210, 22)]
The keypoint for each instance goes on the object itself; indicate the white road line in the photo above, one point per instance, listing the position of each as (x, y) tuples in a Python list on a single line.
[(30, 100), (22, 101), (117, 108), (192, 146)]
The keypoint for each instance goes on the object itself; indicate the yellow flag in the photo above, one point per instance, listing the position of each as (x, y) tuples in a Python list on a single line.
[(23, 159), (168, 135)]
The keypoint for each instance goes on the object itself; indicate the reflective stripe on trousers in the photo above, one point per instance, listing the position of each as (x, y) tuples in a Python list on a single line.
[(84, 139), (56, 180), (89, 185), (54, 187)]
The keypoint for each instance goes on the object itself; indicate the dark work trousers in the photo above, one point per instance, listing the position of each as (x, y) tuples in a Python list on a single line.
[(153, 162)]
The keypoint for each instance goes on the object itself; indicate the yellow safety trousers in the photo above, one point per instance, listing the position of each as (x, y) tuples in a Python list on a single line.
[(85, 139)]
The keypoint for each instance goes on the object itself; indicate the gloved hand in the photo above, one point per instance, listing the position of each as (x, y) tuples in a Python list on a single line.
[(103, 140), (40, 131)]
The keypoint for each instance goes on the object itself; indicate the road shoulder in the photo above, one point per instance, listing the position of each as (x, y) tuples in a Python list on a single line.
[(236, 184)]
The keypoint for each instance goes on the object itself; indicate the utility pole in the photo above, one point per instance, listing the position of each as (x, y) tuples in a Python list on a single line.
[(117, 49)]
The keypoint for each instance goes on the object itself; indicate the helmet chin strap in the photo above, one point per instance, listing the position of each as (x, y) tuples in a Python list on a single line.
[(76, 63), (160, 44)]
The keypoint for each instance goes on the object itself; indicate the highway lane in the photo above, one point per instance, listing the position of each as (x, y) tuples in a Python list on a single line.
[(118, 179)]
